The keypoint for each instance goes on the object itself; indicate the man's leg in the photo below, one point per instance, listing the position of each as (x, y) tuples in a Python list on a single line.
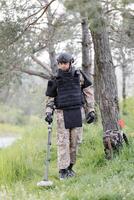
[(63, 145), (80, 129), (73, 147), (80, 135)]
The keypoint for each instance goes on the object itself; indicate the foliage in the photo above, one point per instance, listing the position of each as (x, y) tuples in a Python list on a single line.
[(129, 116), (128, 24), (22, 36)]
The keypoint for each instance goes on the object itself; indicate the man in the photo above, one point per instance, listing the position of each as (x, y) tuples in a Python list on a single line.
[(68, 93)]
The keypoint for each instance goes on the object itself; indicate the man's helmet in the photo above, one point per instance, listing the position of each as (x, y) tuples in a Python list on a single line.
[(65, 58)]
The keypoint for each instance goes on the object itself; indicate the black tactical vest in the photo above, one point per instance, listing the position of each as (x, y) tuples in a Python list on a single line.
[(69, 94)]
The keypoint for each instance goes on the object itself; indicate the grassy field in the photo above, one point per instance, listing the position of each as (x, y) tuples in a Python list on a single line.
[(22, 166)]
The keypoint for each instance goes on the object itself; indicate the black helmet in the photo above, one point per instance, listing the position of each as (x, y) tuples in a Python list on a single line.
[(65, 58)]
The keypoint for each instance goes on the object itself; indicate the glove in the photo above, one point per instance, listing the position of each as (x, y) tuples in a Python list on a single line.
[(90, 117), (49, 117)]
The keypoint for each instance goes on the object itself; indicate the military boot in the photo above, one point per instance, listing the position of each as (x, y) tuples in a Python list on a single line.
[(63, 174), (71, 172)]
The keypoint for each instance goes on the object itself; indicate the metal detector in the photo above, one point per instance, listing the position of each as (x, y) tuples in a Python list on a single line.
[(45, 182)]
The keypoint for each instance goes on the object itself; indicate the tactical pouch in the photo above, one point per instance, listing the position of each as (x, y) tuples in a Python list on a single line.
[(51, 88)]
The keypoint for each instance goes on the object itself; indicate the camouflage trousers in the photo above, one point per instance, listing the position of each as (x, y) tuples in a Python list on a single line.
[(67, 142)]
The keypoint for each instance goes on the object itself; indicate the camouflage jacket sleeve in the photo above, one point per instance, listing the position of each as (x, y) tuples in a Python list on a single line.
[(49, 105), (88, 94), (50, 94)]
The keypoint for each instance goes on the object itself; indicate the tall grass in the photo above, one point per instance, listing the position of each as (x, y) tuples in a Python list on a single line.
[(22, 165)]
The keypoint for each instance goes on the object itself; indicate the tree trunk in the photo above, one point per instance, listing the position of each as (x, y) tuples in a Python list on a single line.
[(86, 48), (96, 83), (51, 49), (105, 74), (124, 66), (124, 88)]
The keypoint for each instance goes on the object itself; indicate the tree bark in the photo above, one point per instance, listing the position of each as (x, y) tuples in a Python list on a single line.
[(86, 48), (124, 69), (96, 83), (108, 96), (51, 48), (124, 88)]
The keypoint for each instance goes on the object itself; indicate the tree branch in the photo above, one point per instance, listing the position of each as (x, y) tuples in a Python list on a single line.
[(111, 10), (39, 74), (40, 2), (32, 23), (45, 8), (35, 13), (39, 49), (42, 65)]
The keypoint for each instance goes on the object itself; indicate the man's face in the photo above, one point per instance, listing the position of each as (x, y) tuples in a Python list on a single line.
[(64, 66)]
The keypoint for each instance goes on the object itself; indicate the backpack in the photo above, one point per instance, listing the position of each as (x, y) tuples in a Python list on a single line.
[(113, 141)]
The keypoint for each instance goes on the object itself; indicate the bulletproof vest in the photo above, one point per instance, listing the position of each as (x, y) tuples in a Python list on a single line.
[(69, 94)]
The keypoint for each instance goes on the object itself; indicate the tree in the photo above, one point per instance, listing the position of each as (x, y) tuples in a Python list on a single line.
[(39, 31), (121, 36), (86, 48), (16, 44), (105, 73)]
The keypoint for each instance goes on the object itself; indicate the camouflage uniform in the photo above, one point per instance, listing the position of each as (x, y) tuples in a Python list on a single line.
[(68, 139)]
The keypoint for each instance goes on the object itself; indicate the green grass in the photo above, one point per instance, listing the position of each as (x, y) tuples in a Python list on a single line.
[(22, 166), (8, 129)]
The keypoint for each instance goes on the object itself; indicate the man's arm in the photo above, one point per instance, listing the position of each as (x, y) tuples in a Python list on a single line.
[(50, 104), (88, 92), (89, 98), (51, 93)]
